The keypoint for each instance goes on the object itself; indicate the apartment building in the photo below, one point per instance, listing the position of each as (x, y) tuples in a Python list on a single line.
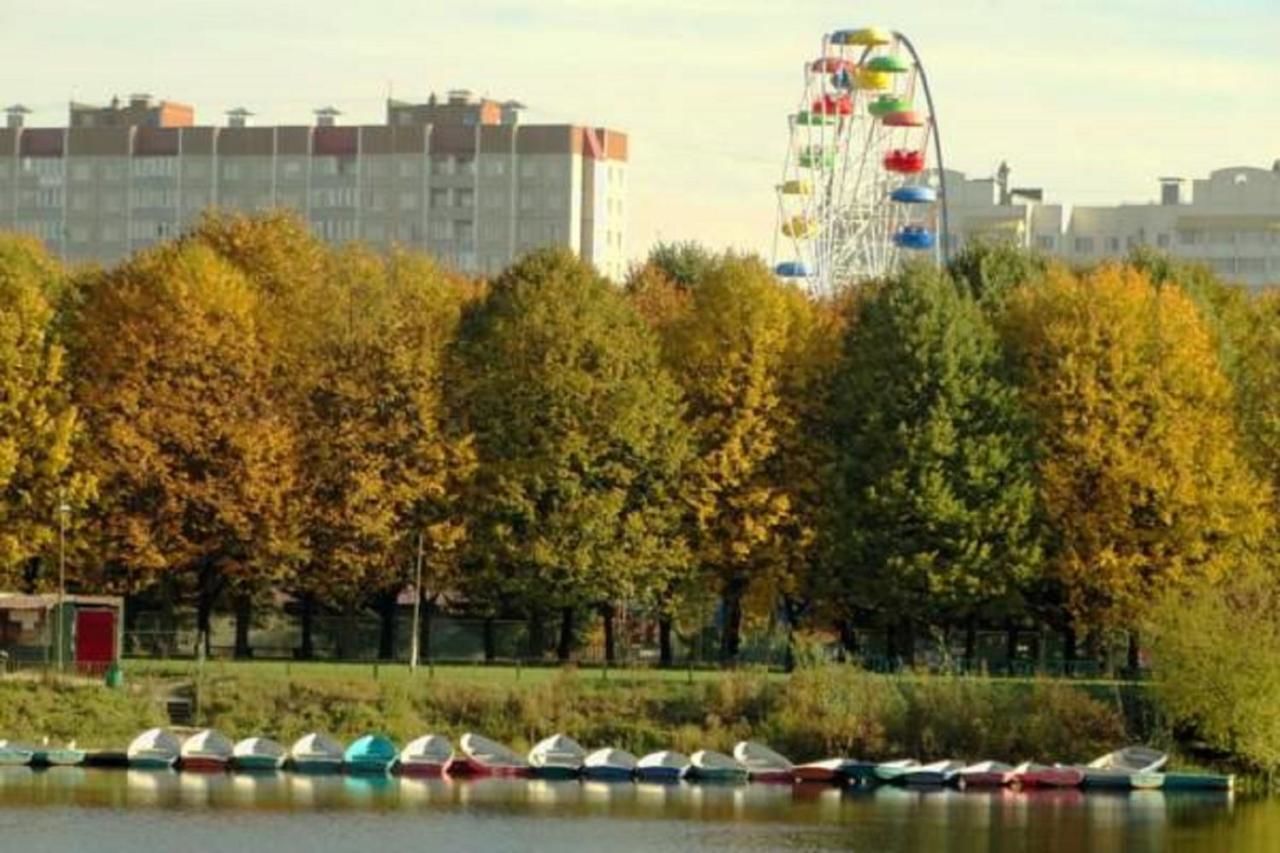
[(461, 178), (1229, 221)]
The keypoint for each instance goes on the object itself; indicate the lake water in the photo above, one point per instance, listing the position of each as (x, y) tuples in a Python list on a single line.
[(113, 811)]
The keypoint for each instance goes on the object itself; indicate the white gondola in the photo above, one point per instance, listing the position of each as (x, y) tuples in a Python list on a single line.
[(316, 752), (558, 756), (207, 749), (428, 755), (763, 764), (154, 748), (664, 766), (608, 764), (258, 753)]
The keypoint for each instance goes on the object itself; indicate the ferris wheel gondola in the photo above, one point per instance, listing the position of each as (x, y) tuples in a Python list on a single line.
[(860, 187)]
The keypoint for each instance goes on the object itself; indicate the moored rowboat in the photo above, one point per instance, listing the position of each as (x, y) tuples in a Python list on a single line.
[(1118, 769), (1031, 775), (370, 754), (428, 755), (15, 754), (207, 749), (257, 753), (483, 757), (935, 774), (827, 771), (556, 757), (154, 748), (763, 764), (1198, 782), (664, 766), (609, 764), (707, 765), (891, 771), (984, 774), (316, 752)]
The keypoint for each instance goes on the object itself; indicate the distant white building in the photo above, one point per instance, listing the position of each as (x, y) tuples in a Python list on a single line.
[(1230, 221)]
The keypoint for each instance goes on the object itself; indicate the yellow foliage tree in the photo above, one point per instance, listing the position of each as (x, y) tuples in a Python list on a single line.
[(1140, 474)]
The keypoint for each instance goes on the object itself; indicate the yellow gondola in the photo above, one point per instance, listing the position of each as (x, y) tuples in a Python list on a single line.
[(800, 227), (874, 81), (866, 37), (796, 188)]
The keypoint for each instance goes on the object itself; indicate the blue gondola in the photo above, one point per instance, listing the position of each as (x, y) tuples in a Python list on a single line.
[(792, 269), (914, 195), (915, 237)]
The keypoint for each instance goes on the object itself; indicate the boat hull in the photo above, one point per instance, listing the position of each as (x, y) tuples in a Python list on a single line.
[(15, 758), (421, 768), (825, 775), (203, 763), (464, 766), (659, 774), (1052, 777), (368, 766), (858, 772), (57, 758), (608, 773), (890, 775), (257, 763), (152, 762), (925, 779), (1198, 782), (773, 777), (992, 779), (1112, 781), (316, 766), (554, 771), (716, 774)]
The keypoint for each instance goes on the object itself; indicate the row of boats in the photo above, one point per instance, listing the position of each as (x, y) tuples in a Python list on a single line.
[(562, 757)]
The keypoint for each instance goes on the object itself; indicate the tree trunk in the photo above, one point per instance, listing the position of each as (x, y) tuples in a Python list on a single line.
[(970, 643), (1011, 644), (244, 619), (537, 634), (731, 637), (908, 637), (489, 643), (1135, 660), (610, 647), (308, 649), (388, 609), (666, 657), (1069, 650), (565, 650), (204, 613), (424, 638), (344, 642), (848, 639)]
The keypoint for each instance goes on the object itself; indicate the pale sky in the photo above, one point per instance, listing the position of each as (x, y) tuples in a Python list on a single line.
[(1091, 99)]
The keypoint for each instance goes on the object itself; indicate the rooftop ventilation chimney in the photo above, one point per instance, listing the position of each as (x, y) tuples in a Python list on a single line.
[(459, 96), (238, 117), (327, 116), (1171, 191), (140, 101), (1002, 181), (14, 116)]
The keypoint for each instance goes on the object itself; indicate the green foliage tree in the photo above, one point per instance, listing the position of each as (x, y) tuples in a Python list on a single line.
[(1139, 470), (579, 442), (683, 263), (990, 271), (936, 514), (38, 423), (195, 463)]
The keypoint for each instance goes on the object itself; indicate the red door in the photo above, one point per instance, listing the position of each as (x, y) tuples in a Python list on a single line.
[(95, 639)]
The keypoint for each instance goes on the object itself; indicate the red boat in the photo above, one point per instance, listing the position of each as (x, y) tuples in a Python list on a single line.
[(1030, 775), (206, 751), (984, 774), (905, 162), (820, 771), (483, 757), (763, 764)]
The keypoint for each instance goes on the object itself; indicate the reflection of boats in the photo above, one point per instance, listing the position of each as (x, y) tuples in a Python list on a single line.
[(707, 765), (763, 764), (984, 774), (155, 748), (891, 771), (426, 756), (664, 766), (1031, 775), (148, 785), (484, 757), (207, 749), (609, 763), (935, 774), (316, 752), (556, 757), (372, 753), (15, 754), (258, 753), (1131, 767)]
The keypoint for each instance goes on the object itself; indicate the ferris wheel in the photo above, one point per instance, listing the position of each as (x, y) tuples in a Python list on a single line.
[(860, 187)]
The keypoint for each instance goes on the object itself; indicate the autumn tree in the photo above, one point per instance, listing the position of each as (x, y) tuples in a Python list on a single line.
[(579, 443), (936, 517), (1139, 468), (194, 462), (38, 423), (380, 465), (992, 270)]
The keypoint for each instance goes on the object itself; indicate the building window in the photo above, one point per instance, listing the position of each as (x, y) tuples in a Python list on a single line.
[(439, 199), (466, 165), (154, 167), (78, 233), (1084, 244), (1113, 244), (1162, 241), (441, 229), (46, 169), (49, 197), (442, 164), (465, 198), (408, 201)]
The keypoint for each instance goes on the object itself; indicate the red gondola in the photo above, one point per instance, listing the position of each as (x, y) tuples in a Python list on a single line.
[(833, 105), (831, 65), (905, 162), (907, 118)]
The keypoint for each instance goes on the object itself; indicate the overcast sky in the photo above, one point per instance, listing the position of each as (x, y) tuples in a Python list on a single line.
[(1091, 99)]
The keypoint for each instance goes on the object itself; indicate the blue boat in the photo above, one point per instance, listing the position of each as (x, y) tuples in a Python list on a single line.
[(914, 195), (609, 765), (791, 269), (371, 754), (915, 237), (665, 766)]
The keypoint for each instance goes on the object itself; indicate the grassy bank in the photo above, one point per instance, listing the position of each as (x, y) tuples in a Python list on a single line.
[(818, 712)]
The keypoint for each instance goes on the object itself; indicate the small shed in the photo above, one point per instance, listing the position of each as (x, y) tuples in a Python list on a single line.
[(91, 630)]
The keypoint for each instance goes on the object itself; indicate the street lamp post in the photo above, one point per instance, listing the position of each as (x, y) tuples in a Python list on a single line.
[(64, 510), (417, 608)]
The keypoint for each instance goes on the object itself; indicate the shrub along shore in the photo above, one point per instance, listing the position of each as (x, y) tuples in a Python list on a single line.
[(814, 713)]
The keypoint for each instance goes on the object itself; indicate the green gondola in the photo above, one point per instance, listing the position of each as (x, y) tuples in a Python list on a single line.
[(890, 63), (886, 104), (811, 119)]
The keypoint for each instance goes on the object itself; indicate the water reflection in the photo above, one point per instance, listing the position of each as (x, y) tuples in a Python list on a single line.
[(692, 816)]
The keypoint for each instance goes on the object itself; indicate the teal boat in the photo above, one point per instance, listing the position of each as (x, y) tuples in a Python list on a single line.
[(257, 754), (15, 754), (1198, 782), (556, 757), (370, 755), (858, 772), (68, 756), (154, 749), (706, 765), (893, 771), (316, 753)]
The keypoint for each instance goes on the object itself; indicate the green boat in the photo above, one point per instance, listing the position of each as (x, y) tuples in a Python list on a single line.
[(15, 754), (54, 757), (706, 765), (316, 753), (1198, 782), (370, 755), (893, 771), (258, 755), (556, 757)]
